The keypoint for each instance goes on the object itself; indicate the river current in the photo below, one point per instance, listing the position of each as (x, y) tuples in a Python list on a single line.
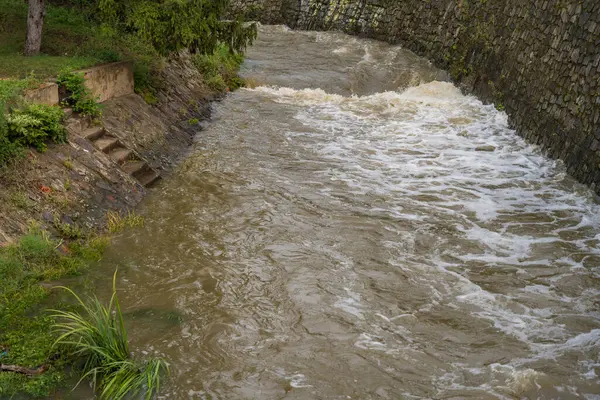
[(356, 228)]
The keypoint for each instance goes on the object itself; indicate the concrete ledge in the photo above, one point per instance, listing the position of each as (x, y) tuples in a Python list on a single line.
[(110, 80), (45, 94)]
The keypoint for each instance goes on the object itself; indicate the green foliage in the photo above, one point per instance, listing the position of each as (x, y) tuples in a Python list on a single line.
[(9, 150), (70, 38), (68, 231), (79, 96), (98, 335), (25, 329), (220, 69), (35, 124), (173, 25)]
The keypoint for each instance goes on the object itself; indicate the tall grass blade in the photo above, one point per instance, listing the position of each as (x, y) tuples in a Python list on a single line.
[(98, 335)]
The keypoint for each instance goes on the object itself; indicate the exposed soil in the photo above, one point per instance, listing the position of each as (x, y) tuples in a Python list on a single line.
[(75, 183)]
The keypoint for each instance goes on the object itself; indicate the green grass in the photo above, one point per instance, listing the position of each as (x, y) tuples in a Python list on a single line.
[(98, 335), (25, 327), (65, 41), (116, 222), (71, 39)]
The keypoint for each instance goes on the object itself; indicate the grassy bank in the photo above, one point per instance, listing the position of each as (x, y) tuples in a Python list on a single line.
[(28, 269)]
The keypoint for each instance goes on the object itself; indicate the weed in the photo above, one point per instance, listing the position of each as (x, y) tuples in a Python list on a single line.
[(80, 98), (220, 69), (150, 98), (68, 163), (68, 231), (20, 200), (98, 335), (116, 222), (193, 121)]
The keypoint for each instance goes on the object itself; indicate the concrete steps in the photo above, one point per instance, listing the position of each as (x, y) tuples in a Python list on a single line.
[(126, 159)]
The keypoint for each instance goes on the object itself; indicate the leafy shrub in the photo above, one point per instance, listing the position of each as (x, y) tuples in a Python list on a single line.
[(220, 69), (8, 149), (79, 96), (35, 124)]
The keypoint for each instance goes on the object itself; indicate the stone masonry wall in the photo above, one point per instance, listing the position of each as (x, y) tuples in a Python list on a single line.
[(538, 59)]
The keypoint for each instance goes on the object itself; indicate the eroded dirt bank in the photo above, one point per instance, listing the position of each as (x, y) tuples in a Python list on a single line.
[(76, 183)]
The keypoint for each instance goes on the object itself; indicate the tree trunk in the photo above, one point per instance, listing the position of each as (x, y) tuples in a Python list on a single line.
[(35, 22)]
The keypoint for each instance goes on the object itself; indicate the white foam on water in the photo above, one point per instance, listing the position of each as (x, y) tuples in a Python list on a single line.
[(445, 159)]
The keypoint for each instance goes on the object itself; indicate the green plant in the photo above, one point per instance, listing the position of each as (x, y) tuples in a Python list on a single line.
[(98, 335), (68, 231), (173, 25), (20, 200), (216, 83), (25, 327), (79, 97), (193, 121), (220, 68), (35, 124), (116, 222), (9, 150)]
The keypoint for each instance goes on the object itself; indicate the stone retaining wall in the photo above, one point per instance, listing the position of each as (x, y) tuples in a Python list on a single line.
[(538, 59)]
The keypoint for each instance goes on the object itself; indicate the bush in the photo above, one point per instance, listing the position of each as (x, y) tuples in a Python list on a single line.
[(220, 69), (35, 124), (8, 150), (79, 96)]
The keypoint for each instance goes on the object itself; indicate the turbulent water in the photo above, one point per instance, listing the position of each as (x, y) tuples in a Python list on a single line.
[(356, 228)]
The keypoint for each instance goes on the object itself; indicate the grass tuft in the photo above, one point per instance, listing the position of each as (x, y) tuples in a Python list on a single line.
[(116, 222), (98, 335)]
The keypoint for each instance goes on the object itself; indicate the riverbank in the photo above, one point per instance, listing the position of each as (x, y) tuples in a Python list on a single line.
[(60, 206)]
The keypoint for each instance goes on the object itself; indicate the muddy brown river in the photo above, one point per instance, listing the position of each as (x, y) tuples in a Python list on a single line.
[(356, 228)]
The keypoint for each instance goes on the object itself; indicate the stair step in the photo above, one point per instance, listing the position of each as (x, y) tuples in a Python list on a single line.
[(120, 154), (135, 168), (93, 133), (106, 144), (149, 178)]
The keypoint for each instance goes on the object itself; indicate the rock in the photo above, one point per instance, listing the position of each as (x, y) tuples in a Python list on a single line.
[(485, 148), (66, 220), (48, 216)]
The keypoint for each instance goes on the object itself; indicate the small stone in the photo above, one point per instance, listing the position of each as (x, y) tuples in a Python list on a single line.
[(48, 216), (486, 148), (67, 220)]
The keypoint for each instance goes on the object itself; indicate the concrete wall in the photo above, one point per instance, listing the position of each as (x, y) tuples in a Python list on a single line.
[(538, 59), (45, 94), (105, 81), (110, 80)]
